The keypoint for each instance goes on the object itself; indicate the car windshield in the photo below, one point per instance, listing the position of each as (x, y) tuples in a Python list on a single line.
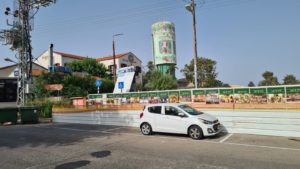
[(190, 110)]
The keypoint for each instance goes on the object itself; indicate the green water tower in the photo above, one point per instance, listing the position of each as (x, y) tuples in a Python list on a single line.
[(164, 47)]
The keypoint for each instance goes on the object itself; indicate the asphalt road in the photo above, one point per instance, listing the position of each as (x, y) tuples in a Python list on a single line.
[(66, 146)]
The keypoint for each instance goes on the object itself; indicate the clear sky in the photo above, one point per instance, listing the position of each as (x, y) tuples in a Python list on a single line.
[(245, 37)]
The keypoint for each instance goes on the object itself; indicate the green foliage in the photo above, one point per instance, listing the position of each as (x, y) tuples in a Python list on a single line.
[(73, 86), (107, 86), (251, 84), (207, 75), (269, 79), (42, 80), (290, 80), (46, 109), (156, 80), (44, 106), (150, 66), (90, 66)]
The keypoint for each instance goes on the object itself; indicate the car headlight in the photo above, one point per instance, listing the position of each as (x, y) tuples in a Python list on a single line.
[(206, 122)]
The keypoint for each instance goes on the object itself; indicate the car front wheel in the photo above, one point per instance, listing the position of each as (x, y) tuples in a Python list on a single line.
[(195, 132), (146, 129)]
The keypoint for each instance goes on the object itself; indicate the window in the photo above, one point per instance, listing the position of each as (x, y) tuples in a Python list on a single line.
[(111, 68), (123, 65), (171, 111), (155, 109), (138, 69), (190, 110)]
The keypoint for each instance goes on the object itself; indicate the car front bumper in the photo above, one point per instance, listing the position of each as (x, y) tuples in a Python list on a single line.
[(213, 130)]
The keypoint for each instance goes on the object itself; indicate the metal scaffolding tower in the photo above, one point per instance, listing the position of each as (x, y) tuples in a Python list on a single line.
[(19, 39)]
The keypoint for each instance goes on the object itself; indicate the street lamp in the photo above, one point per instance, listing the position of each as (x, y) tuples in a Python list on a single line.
[(114, 55), (9, 60), (191, 8)]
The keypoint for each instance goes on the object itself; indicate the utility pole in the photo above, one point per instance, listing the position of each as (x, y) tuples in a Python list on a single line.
[(191, 7), (114, 55), (19, 38)]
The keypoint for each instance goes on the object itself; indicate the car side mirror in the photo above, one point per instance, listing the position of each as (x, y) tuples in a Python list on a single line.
[(181, 114)]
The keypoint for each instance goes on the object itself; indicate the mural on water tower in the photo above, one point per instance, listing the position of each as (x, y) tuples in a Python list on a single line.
[(164, 46)]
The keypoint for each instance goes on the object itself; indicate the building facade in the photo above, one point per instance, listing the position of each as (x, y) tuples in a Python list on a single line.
[(12, 71), (123, 60), (59, 59)]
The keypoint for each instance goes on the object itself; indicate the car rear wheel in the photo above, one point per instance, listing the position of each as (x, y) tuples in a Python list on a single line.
[(195, 132), (146, 129)]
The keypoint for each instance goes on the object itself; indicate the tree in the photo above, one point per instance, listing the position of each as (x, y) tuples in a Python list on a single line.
[(159, 81), (90, 66), (73, 86), (269, 79), (207, 75), (251, 84), (155, 80), (150, 66), (171, 70), (290, 80)]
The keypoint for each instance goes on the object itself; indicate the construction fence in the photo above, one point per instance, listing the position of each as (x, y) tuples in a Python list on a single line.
[(280, 95)]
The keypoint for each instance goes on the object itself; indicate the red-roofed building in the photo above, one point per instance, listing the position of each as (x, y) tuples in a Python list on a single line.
[(59, 58), (122, 60)]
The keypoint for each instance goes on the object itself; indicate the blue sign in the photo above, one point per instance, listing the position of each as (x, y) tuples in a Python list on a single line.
[(98, 83), (16, 73), (121, 85)]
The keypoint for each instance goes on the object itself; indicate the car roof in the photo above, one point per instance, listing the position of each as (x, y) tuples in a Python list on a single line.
[(165, 104)]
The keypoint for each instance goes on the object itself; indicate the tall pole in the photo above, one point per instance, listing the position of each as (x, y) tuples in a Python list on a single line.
[(20, 39), (114, 56), (195, 45), (24, 55)]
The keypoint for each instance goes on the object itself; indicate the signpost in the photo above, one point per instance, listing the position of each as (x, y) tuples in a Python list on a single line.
[(121, 85), (98, 84)]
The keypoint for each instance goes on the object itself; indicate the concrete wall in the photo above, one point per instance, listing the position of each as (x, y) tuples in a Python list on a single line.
[(119, 118), (276, 123)]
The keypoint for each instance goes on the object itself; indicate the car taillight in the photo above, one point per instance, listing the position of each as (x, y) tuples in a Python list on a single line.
[(141, 115)]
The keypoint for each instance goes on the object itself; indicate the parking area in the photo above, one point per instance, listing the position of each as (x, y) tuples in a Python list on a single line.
[(61, 145)]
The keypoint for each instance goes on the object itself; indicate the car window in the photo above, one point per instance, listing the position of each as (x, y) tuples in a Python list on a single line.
[(190, 110), (172, 111), (154, 109)]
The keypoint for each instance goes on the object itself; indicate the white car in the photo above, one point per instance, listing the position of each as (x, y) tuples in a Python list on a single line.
[(179, 119)]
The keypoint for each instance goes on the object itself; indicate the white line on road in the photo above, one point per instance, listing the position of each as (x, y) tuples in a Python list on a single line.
[(65, 128), (166, 137), (224, 139), (258, 146), (114, 129)]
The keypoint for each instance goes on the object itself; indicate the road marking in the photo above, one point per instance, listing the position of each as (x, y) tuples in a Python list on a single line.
[(258, 146), (108, 130), (227, 137), (65, 128), (166, 137)]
